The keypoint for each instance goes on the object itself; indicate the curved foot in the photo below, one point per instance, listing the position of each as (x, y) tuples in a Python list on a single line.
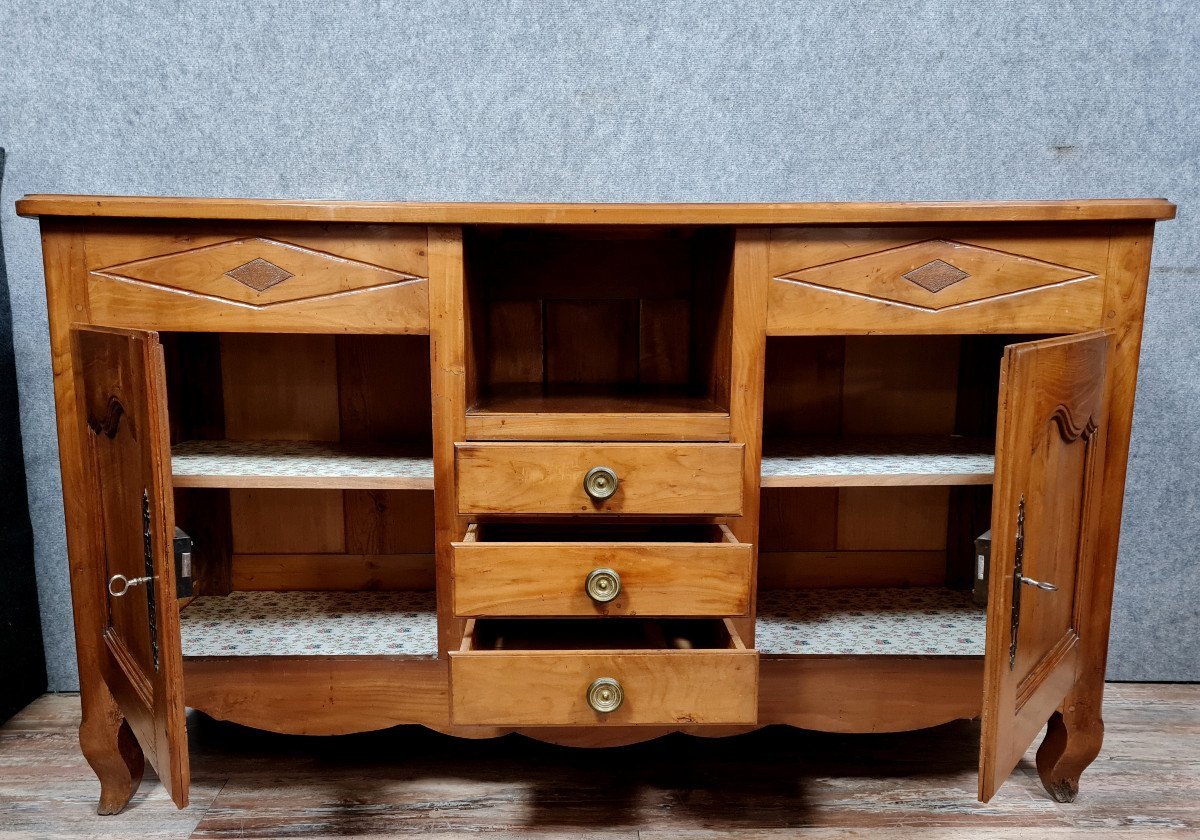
[(1066, 751), (117, 759)]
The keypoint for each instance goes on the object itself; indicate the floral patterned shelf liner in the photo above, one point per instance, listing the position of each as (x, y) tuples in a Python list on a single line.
[(291, 458), (916, 455), (311, 624), (896, 622)]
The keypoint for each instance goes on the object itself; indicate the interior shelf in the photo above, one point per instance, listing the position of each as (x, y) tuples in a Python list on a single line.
[(535, 400), (295, 464), (869, 622), (310, 624), (878, 461)]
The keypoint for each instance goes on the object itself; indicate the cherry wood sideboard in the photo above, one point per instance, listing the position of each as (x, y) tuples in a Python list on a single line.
[(593, 473)]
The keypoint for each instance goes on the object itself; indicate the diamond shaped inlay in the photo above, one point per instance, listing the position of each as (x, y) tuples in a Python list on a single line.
[(935, 276), (259, 274)]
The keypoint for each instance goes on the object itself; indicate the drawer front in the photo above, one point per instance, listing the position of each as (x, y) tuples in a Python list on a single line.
[(542, 688), (516, 478), (995, 279), (551, 578), (219, 277)]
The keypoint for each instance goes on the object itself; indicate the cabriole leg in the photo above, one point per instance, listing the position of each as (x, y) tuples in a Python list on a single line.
[(111, 750), (1073, 739)]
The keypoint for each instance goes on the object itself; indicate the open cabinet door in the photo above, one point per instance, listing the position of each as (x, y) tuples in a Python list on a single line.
[(1049, 456), (123, 400)]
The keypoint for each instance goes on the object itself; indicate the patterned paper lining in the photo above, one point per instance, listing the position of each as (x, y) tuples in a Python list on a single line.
[(311, 624), (918, 455), (895, 622), (290, 458)]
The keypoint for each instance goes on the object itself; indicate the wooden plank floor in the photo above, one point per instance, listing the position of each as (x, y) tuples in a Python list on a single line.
[(774, 783)]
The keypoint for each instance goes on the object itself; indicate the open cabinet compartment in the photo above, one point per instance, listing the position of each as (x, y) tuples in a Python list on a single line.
[(827, 584), (504, 569), (886, 443), (299, 411), (302, 471), (531, 672), (572, 330)]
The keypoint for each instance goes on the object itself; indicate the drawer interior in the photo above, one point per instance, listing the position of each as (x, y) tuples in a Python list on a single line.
[(495, 532), (624, 634)]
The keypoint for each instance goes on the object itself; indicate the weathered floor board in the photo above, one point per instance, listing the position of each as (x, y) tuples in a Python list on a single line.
[(774, 783)]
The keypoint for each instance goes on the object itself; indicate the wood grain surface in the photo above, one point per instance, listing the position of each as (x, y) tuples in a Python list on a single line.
[(778, 783), (622, 214), (514, 577), (679, 478)]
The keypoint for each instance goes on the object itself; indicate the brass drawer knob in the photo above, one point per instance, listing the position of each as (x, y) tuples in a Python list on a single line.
[(600, 483), (603, 585), (605, 695)]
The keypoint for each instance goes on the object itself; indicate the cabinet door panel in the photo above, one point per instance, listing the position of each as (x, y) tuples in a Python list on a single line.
[(123, 400), (1049, 449)]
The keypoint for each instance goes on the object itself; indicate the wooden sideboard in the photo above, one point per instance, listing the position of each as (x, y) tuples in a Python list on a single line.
[(592, 473)]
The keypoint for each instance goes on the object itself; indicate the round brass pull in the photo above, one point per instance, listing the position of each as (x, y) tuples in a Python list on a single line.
[(605, 695), (600, 483), (603, 585)]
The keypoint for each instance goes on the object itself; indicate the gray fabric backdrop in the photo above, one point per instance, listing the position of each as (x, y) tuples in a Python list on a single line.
[(646, 100)]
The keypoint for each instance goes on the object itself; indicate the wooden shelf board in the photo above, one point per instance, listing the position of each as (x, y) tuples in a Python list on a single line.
[(295, 464), (916, 621), (529, 414), (878, 462), (310, 624)]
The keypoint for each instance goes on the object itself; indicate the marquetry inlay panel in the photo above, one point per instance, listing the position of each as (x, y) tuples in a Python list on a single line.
[(259, 274), (255, 271), (935, 276)]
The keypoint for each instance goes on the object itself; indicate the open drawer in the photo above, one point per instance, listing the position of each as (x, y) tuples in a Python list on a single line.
[(615, 672), (586, 570)]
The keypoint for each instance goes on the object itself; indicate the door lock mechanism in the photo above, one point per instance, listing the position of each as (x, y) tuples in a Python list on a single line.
[(118, 585)]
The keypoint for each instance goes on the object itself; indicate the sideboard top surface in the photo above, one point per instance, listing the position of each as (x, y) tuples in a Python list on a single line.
[(397, 212)]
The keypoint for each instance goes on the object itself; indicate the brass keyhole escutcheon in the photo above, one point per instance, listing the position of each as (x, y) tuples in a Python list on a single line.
[(600, 483), (605, 695), (603, 585)]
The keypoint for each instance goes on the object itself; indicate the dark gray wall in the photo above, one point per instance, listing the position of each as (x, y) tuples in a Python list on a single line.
[(20, 628), (655, 100)]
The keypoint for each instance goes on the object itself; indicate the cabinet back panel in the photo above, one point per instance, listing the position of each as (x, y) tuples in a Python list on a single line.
[(329, 539), (356, 389), (591, 342), (280, 387), (629, 309), (837, 569), (383, 391), (332, 572), (861, 385), (853, 536), (286, 521)]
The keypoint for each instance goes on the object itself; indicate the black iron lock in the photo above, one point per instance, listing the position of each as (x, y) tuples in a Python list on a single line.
[(183, 563)]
